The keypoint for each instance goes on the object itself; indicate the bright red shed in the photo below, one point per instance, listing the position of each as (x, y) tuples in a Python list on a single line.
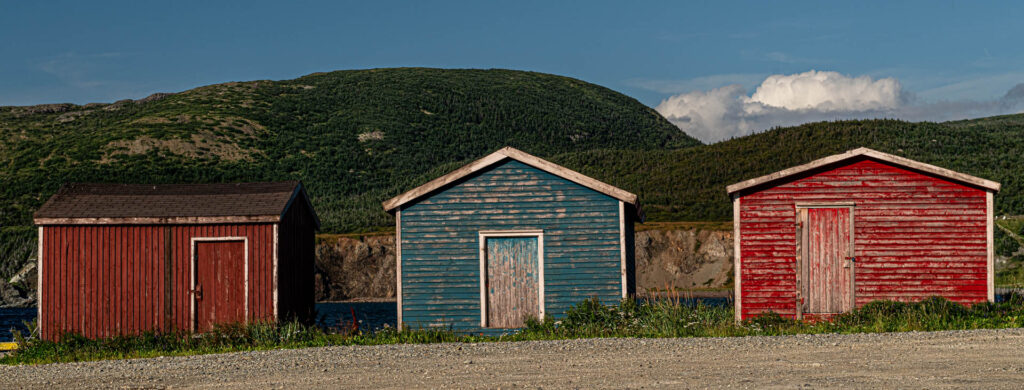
[(831, 235), (127, 258)]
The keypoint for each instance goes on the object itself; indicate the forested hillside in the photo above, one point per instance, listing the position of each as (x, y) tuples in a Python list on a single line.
[(354, 138)]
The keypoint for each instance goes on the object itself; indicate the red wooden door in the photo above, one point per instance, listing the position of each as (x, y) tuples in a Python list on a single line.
[(512, 281), (220, 283), (826, 266)]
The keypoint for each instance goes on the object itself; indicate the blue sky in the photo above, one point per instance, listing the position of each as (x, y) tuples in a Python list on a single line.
[(946, 59)]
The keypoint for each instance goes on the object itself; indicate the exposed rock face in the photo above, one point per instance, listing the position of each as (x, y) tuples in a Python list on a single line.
[(683, 259), (154, 97), (349, 267), (20, 291), (10, 296), (43, 109)]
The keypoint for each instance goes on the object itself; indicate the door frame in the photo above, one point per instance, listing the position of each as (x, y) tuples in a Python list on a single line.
[(245, 269), (801, 250), (484, 235)]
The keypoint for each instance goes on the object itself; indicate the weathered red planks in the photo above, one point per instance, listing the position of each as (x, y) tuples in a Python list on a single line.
[(220, 277), (915, 235), (105, 280)]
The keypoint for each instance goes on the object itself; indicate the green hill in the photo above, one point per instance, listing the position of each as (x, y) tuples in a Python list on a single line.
[(689, 184), (354, 138)]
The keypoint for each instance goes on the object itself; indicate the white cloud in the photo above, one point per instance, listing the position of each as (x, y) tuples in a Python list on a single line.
[(827, 91), (709, 115), (785, 100)]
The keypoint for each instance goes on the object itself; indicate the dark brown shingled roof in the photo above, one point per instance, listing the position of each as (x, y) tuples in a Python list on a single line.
[(80, 203)]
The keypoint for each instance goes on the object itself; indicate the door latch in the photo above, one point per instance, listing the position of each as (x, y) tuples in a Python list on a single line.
[(198, 292)]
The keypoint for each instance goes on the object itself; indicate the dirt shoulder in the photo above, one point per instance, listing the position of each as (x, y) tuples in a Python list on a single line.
[(973, 359)]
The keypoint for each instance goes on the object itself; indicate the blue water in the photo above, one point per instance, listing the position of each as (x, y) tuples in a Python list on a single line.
[(369, 316), (14, 319)]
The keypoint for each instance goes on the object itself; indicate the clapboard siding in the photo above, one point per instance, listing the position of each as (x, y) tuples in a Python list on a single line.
[(915, 235), (440, 243)]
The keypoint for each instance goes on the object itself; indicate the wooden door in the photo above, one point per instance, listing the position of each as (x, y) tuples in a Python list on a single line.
[(826, 264), (512, 281), (219, 292)]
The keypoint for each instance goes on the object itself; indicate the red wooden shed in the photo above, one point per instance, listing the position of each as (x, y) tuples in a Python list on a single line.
[(825, 237), (127, 258)]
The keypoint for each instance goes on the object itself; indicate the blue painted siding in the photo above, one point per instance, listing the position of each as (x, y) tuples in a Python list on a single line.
[(440, 243)]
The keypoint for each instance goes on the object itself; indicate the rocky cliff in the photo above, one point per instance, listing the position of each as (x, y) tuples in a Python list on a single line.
[(683, 259), (355, 267)]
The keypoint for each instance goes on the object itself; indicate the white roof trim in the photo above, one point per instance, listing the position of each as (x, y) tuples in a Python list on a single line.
[(896, 160), (515, 154)]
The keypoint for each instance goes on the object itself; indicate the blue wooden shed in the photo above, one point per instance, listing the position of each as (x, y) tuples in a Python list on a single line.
[(507, 237)]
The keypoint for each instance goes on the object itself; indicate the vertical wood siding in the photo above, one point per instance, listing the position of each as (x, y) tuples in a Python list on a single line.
[(105, 280), (915, 236), (825, 274), (220, 276), (440, 248), (512, 277)]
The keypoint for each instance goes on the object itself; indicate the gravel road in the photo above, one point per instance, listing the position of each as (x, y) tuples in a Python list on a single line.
[(972, 359)]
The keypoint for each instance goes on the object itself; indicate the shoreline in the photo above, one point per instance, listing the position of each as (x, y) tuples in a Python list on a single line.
[(362, 300)]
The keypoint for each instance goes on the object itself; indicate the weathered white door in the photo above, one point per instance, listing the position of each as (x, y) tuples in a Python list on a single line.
[(826, 260), (512, 281)]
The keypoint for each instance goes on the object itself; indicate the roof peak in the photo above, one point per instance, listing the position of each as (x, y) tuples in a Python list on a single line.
[(123, 203), (871, 153), (518, 155)]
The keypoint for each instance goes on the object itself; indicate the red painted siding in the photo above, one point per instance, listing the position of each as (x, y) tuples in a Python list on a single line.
[(104, 280), (915, 236)]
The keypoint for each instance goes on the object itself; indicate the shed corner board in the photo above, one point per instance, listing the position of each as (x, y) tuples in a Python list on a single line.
[(737, 259), (990, 250), (275, 276), (398, 266), (39, 281), (622, 247)]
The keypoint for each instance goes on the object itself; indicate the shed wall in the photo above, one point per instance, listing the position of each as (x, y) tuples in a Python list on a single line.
[(440, 270), (106, 280), (915, 236), (296, 258)]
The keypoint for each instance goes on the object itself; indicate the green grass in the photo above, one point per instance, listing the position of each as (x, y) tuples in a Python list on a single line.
[(589, 319)]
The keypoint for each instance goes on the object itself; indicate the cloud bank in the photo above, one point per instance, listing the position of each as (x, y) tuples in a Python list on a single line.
[(786, 100)]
